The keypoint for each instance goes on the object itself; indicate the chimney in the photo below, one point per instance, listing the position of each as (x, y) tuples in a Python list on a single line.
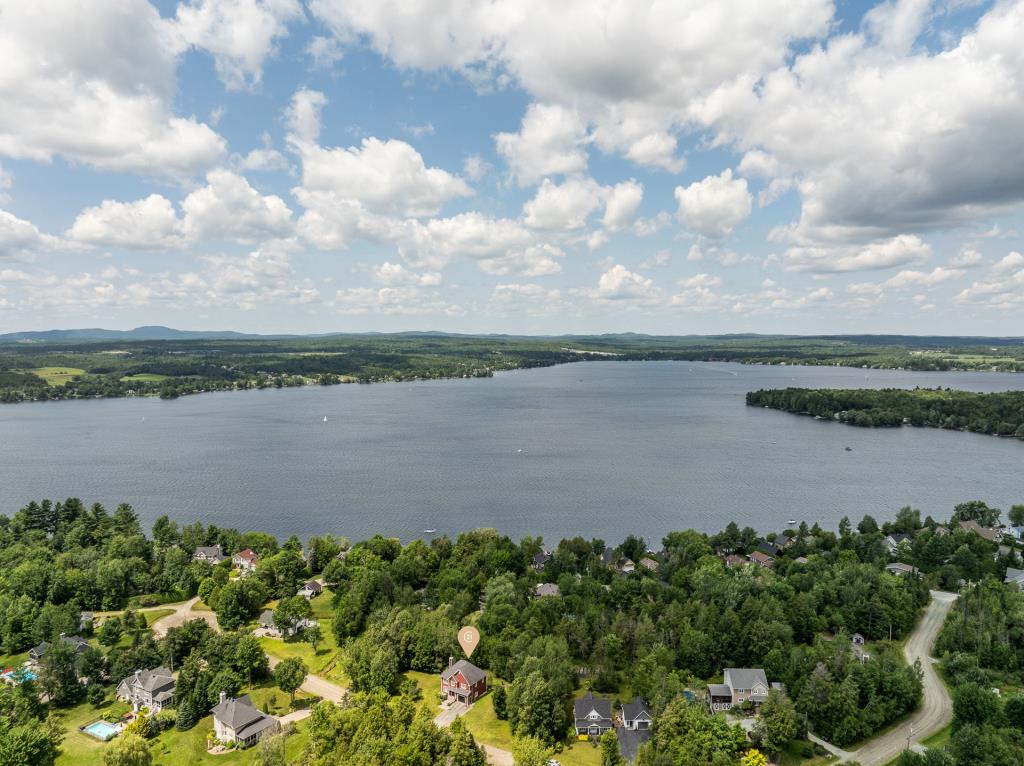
[(223, 697), (451, 660)]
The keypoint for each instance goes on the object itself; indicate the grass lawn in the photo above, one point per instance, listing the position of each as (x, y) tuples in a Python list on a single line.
[(939, 739), (155, 615), (78, 748), (57, 376), (484, 725), (173, 747), (145, 377), (791, 756), (12, 660), (322, 609), (430, 686), (325, 662)]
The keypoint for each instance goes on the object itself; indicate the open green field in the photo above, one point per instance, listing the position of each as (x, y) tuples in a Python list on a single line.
[(56, 376), (429, 687), (325, 662), (145, 377)]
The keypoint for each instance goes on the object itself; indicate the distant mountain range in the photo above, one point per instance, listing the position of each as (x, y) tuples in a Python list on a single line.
[(158, 332), (152, 332)]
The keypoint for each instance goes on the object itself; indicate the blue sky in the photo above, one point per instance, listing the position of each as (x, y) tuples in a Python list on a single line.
[(797, 166)]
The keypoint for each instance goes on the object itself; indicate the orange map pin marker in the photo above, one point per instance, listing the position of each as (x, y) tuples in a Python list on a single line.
[(469, 637)]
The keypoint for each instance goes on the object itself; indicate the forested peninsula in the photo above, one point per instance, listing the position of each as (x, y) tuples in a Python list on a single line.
[(76, 365), (999, 414), (341, 649)]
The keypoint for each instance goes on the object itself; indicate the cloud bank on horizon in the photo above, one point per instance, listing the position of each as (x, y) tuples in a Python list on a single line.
[(511, 165)]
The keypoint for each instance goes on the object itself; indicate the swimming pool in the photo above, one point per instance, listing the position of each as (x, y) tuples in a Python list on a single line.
[(101, 730)]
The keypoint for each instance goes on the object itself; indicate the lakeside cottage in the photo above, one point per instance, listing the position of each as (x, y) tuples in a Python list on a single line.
[(245, 561), (738, 685), (236, 719), (992, 534), (893, 541), (148, 688), (540, 560), (899, 569), (463, 681), (209, 553), (762, 559), (649, 564), (592, 715), (734, 560), (546, 589)]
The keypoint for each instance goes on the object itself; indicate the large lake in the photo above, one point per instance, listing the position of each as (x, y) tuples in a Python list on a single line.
[(601, 449)]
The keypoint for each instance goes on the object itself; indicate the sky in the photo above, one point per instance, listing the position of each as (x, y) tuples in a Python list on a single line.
[(585, 166)]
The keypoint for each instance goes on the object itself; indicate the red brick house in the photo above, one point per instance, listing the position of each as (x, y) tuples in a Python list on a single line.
[(463, 681)]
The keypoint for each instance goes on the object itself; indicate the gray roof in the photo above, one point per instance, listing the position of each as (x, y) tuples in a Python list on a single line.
[(241, 715), (719, 690), (745, 678), (547, 589), (608, 556), (584, 706), (267, 619), (632, 710), (470, 672), (541, 558), (210, 551), (78, 643), (150, 680), (312, 585), (1015, 576)]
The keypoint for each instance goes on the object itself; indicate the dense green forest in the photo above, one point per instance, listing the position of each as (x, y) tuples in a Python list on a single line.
[(662, 632), (1001, 414), (32, 370)]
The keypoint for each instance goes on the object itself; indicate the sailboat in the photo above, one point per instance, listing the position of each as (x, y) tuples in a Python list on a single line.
[(325, 418)]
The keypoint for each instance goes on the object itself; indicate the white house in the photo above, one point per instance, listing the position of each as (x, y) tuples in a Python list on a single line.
[(311, 589), (636, 715), (211, 553), (245, 561)]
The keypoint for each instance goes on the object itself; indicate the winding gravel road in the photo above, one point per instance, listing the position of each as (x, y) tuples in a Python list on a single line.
[(936, 708)]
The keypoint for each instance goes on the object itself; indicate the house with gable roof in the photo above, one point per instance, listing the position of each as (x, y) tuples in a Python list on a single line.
[(592, 715), (463, 681)]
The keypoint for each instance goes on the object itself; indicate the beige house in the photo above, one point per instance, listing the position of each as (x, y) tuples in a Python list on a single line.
[(236, 719), (738, 686)]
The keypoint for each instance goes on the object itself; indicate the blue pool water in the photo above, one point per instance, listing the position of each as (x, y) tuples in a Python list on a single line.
[(101, 730)]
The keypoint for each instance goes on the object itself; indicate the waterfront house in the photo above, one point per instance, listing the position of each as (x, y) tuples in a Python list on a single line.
[(893, 541), (738, 685), (78, 643), (625, 566), (733, 560), (649, 564), (153, 689), (785, 542), (636, 714), (245, 561), (209, 553), (592, 715), (311, 589), (608, 556), (463, 681), (762, 559), (540, 560), (992, 534), (769, 549), (236, 719), (546, 589)]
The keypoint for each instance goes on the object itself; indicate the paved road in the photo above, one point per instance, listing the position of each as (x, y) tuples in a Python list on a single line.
[(315, 685), (183, 612), (936, 708)]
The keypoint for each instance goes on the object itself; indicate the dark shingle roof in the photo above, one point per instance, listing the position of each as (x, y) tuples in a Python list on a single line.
[(239, 713), (584, 706), (631, 710), (470, 671)]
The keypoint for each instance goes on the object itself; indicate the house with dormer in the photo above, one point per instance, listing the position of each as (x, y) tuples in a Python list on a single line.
[(237, 719), (210, 553), (592, 715), (245, 561), (153, 689)]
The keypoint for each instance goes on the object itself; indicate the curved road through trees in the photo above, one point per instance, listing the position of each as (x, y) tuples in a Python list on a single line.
[(936, 708)]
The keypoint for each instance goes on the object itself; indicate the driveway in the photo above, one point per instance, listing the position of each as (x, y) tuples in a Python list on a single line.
[(495, 755), (315, 685), (183, 612), (936, 708)]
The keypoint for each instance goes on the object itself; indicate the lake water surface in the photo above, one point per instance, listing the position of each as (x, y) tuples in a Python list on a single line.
[(601, 449)]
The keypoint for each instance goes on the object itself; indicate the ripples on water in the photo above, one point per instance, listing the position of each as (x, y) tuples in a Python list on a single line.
[(600, 449)]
